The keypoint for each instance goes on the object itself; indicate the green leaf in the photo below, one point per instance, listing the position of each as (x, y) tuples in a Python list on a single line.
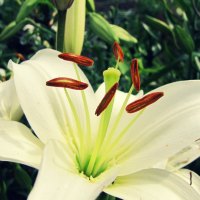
[(47, 2), (147, 28), (197, 62), (124, 67), (3, 190), (90, 5), (26, 9), (23, 178), (184, 39), (12, 29), (158, 24), (102, 28), (186, 6), (122, 34), (28, 6)]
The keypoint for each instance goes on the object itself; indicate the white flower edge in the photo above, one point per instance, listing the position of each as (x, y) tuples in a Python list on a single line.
[(18, 144), (151, 184), (191, 178), (9, 103)]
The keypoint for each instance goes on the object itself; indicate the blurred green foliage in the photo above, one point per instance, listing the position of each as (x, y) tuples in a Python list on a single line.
[(164, 35)]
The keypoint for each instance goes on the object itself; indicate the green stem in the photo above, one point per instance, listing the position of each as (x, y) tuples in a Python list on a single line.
[(61, 30)]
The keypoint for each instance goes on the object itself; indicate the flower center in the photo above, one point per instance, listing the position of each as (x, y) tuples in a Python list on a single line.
[(95, 155)]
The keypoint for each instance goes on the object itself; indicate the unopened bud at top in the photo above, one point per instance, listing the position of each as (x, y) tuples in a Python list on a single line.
[(75, 27), (63, 4)]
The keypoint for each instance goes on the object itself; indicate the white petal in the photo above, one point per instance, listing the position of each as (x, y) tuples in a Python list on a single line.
[(166, 127), (47, 108), (18, 144), (59, 179), (152, 184), (9, 103), (191, 178), (184, 157)]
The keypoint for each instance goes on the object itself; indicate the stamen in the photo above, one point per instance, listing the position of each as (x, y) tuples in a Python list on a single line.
[(110, 146), (20, 56), (144, 102), (67, 83), (88, 125), (106, 99), (135, 74), (117, 50), (81, 60)]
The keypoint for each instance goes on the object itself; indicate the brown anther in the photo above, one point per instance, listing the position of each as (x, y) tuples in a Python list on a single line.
[(143, 102), (190, 178), (20, 56), (67, 83), (135, 74), (81, 60), (117, 50), (106, 99)]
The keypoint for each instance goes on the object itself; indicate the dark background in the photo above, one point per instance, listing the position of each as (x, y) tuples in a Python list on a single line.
[(164, 56)]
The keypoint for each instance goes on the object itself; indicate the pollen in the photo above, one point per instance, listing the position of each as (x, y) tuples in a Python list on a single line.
[(135, 74), (67, 83), (144, 102), (81, 60), (106, 99)]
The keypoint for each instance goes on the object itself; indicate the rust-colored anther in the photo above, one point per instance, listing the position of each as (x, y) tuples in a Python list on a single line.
[(106, 99), (135, 76), (20, 56), (81, 60), (67, 83), (143, 102), (117, 50)]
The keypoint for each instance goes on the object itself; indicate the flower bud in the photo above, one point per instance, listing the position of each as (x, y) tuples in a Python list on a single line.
[(75, 27), (63, 4)]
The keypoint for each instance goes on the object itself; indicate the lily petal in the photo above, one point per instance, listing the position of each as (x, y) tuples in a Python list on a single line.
[(184, 157), (191, 178), (59, 179), (49, 112), (18, 144), (152, 184), (9, 103), (165, 127)]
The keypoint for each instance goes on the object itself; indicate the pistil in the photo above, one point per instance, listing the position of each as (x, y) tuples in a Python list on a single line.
[(111, 77)]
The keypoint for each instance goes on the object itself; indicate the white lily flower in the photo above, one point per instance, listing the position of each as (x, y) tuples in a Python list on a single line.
[(10, 108), (79, 160), (18, 144)]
